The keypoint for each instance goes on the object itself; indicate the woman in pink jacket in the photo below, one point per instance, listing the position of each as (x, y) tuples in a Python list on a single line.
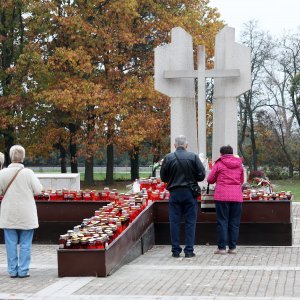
[(228, 174)]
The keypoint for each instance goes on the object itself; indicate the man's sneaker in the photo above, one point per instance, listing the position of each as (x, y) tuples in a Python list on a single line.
[(175, 254), (189, 255), (232, 251), (220, 251)]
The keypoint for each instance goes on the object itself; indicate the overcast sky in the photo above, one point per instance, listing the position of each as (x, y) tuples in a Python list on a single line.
[(274, 16)]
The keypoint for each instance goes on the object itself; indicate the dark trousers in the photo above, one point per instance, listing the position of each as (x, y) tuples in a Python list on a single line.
[(182, 204), (228, 223)]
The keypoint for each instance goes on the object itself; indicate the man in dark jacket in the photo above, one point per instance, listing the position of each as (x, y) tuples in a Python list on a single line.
[(182, 201)]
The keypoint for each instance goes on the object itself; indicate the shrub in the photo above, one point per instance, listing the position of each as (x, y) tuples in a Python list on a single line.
[(277, 173)]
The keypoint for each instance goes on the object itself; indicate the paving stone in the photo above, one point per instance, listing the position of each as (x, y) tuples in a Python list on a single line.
[(254, 272)]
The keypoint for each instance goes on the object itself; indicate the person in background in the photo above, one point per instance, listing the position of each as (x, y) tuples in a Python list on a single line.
[(18, 216), (228, 174), (182, 201), (2, 159)]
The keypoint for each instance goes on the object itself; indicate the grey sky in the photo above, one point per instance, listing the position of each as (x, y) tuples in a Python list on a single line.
[(274, 16)]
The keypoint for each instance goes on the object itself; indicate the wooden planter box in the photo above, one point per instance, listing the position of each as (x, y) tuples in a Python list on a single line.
[(266, 223), (56, 217), (262, 223), (137, 238)]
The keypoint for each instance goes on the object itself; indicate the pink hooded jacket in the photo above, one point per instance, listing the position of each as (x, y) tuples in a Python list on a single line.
[(228, 174)]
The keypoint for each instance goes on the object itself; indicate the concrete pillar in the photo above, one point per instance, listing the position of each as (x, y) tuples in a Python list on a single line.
[(228, 55), (178, 55)]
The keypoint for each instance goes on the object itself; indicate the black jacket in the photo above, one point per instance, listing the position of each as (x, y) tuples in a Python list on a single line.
[(171, 172)]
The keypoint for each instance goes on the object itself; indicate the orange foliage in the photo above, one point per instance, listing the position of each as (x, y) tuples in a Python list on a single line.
[(91, 63)]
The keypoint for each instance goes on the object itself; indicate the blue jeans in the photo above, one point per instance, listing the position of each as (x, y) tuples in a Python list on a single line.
[(228, 223), (182, 204), (18, 265)]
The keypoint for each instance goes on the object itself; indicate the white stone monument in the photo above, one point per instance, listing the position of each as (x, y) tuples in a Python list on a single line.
[(228, 55), (174, 77), (178, 55), (52, 181)]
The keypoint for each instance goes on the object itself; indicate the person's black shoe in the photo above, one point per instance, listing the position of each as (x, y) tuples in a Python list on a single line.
[(24, 276), (189, 255), (175, 254), (14, 276)]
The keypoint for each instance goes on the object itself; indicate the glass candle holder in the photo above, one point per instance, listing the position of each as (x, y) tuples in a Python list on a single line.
[(83, 243), (91, 243), (78, 196), (87, 196), (75, 243), (62, 241)]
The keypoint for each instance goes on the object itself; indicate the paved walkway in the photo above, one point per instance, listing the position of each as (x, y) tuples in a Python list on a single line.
[(253, 273)]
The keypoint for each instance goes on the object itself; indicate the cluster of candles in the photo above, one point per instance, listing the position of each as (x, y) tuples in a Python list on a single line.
[(153, 187), (150, 189), (108, 222), (262, 195), (71, 195)]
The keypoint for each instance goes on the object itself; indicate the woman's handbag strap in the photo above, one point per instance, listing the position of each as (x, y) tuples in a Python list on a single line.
[(11, 181)]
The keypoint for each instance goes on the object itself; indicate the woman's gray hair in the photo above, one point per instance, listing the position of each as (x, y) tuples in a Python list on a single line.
[(17, 153), (180, 141), (2, 159)]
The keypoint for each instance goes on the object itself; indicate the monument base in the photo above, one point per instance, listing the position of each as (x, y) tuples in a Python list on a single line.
[(137, 239), (265, 223)]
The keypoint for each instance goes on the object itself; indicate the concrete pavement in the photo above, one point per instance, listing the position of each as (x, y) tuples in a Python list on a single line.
[(253, 273)]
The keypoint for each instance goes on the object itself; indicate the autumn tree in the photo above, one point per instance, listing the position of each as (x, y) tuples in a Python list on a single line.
[(149, 27), (281, 84), (295, 95), (86, 73), (12, 41), (261, 45), (268, 112), (289, 60), (120, 37), (73, 91)]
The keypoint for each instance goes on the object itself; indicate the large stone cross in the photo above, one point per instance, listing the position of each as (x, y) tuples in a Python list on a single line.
[(174, 77)]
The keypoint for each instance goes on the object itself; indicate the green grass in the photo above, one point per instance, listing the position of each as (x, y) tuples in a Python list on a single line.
[(100, 176), (117, 176), (292, 185)]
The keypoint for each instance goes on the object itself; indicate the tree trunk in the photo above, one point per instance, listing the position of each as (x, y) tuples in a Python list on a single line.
[(89, 161), (89, 171), (291, 171), (253, 144), (243, 128), (73, 149), (109, 164), (62, 156), (63, 161), (11, 31), (247, 114), (299, 167), (134, 163), (73, 161)]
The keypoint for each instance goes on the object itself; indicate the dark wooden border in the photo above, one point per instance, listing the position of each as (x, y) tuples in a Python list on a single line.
[(253, 212), (266, 223), (56, 217), (271, 225), (101, 263)]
